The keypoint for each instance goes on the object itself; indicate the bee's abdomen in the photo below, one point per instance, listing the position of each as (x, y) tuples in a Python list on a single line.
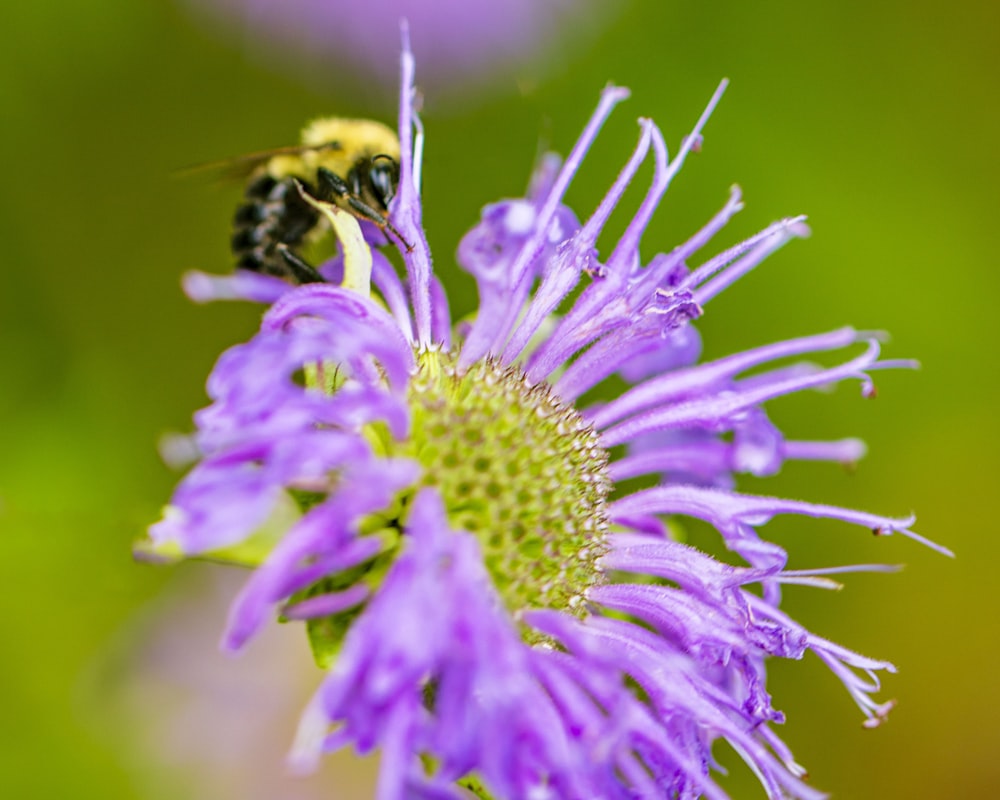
[(272, 214)]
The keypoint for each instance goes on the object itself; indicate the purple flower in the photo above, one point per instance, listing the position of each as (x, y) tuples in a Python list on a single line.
[(197, 724), (459, 43), (441, 503)]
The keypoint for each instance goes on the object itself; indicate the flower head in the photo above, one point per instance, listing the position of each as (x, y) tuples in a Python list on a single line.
[(444, 507)]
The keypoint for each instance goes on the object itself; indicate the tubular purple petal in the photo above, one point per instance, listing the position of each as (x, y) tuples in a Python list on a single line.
[(716, 411), (846, 451), (627, 248), (406, 208), (713, 376), (737, 262), (327, 604), (241, 285), (726, 509)]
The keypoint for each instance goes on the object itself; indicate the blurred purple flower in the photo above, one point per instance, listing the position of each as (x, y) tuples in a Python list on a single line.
[(459, 43), (496, 609), (197, 724)]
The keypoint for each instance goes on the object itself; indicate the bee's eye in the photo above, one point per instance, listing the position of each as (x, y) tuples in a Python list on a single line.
[(384, 177)]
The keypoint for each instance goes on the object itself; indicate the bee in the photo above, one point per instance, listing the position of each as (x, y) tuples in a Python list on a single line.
[(352, 163)]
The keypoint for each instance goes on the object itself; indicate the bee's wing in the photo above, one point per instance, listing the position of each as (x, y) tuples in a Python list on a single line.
[(239, 168)]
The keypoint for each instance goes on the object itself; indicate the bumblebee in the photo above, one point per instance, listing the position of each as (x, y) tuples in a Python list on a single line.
[(352, 163)]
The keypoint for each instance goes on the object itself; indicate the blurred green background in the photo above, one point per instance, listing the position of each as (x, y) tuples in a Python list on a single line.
[(878, 120)]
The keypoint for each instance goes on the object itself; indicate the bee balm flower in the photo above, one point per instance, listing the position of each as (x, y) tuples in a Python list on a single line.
[(460, 43), (443, 507)]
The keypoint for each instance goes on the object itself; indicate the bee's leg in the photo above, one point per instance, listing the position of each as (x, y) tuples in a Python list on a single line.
[(301, 269), (332, 186)]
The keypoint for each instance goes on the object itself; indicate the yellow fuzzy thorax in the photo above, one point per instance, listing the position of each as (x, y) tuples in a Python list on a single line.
[(337, 144)]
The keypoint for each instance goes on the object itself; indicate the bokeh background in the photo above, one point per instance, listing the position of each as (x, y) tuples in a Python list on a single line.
[(878, 120)]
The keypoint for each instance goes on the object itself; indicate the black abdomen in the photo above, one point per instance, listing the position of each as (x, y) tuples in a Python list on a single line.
[(272, 217)]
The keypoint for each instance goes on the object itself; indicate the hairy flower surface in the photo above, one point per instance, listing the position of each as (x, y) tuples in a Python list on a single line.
[(444, 506)]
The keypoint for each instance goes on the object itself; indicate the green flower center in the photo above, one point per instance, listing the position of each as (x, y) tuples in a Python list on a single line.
[(520, 470)]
